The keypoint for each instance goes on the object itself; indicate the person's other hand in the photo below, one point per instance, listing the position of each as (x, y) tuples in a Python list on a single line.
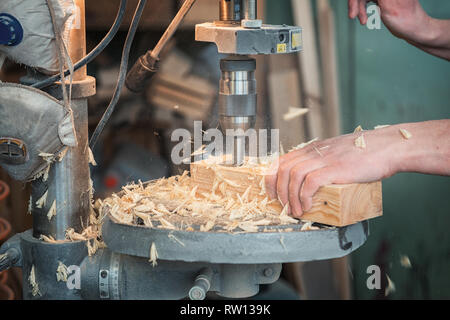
[(405, 19)]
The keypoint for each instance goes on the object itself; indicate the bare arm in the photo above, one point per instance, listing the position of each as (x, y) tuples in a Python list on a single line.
[(407, 20), (339, 160)]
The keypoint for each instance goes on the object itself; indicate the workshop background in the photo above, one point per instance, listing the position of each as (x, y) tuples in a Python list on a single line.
[(347, 75)]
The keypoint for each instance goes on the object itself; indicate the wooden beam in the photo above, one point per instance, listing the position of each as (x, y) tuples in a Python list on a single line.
[(336, 205)]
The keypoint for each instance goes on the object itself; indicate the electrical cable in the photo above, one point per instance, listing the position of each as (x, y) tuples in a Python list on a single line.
[(94, 53), (122, 73)]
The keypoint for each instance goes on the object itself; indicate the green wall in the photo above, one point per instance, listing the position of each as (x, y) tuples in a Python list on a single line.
[(384, 80)]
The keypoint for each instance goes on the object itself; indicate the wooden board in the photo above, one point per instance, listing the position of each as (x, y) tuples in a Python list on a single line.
[(336, 205)]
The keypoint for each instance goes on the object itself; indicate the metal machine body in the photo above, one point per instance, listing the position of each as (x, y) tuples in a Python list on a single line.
[(239, 33)]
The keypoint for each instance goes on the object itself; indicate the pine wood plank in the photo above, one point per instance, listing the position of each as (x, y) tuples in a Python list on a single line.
[(336, 205)]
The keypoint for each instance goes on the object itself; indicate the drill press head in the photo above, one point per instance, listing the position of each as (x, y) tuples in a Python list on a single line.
[(239, 33)]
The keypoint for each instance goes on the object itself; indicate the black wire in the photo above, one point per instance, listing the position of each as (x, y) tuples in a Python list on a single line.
[(122, 74), (94, 53)]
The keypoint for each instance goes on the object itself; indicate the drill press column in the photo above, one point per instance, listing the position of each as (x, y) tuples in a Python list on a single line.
[(237, 101)]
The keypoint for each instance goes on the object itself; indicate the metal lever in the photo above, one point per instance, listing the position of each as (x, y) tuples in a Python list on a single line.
[(147, 65)]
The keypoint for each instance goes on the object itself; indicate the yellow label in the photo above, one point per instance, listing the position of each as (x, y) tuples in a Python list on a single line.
[(281, 48), (296, 40)]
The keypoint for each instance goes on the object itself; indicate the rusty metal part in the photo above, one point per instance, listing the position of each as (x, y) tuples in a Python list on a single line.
[(80, 89), (77, 40)]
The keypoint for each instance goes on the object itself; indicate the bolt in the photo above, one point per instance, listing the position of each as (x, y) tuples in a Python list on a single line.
[(104, 274), (268, 272), (197, 293)]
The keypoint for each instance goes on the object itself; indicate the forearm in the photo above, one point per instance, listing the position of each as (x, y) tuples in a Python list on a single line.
[(428, 150), (434, 38)]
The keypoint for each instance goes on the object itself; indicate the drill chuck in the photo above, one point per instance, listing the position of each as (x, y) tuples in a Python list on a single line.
[(237, 100)]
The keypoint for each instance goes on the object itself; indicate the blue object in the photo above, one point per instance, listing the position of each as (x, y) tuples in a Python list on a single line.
[(11, 31)]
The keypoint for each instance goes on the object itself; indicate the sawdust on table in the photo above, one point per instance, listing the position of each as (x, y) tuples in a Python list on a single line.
[(174, 203)]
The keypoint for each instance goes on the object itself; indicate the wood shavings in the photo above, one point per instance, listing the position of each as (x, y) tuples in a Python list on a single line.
[(303, 145), (207, 227), (91, 157), (52, 211), (307, 226), (62, 154), (30, 205), (382, 126), (61, 272), (294, 113), (50, 239), (358, 129), (405, 262), (172, 237), (282, 243), (48, 157), (390, 288), (153, 255), (406, 134), (360, 142), (42, 201), (34, 285), (74, 236), (176, 204)]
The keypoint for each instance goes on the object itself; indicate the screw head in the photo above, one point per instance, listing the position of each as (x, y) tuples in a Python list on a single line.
[(268, 272)]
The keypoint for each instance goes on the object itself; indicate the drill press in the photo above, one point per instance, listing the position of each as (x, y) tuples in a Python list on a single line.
[(190, 264), (239, 33)]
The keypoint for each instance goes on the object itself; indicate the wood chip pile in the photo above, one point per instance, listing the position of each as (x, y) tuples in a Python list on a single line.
[(175, 204)]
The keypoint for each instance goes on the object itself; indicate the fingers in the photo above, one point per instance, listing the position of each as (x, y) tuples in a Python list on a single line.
[(272, 178), (296, 178), (357, 8), (282, 184), (313, 182), (362, 12), (353, 8)]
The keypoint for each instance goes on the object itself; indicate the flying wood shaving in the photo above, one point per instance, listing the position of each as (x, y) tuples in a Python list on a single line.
[(382, 126), (61, 272), (360, 142), (390, 288), (199, 151), (42, 201), (294, 113), (52, 211), (153, 255), (405, 262), (303, 145), (358, 129), (406, 134), (30, 205), (34, 285)]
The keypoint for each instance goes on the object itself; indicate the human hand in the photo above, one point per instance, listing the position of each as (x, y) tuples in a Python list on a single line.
[(405, 19), (336, 161)]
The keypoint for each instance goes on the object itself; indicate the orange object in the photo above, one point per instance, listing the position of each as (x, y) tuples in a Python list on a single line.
[(5, 229), (4, 190)]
